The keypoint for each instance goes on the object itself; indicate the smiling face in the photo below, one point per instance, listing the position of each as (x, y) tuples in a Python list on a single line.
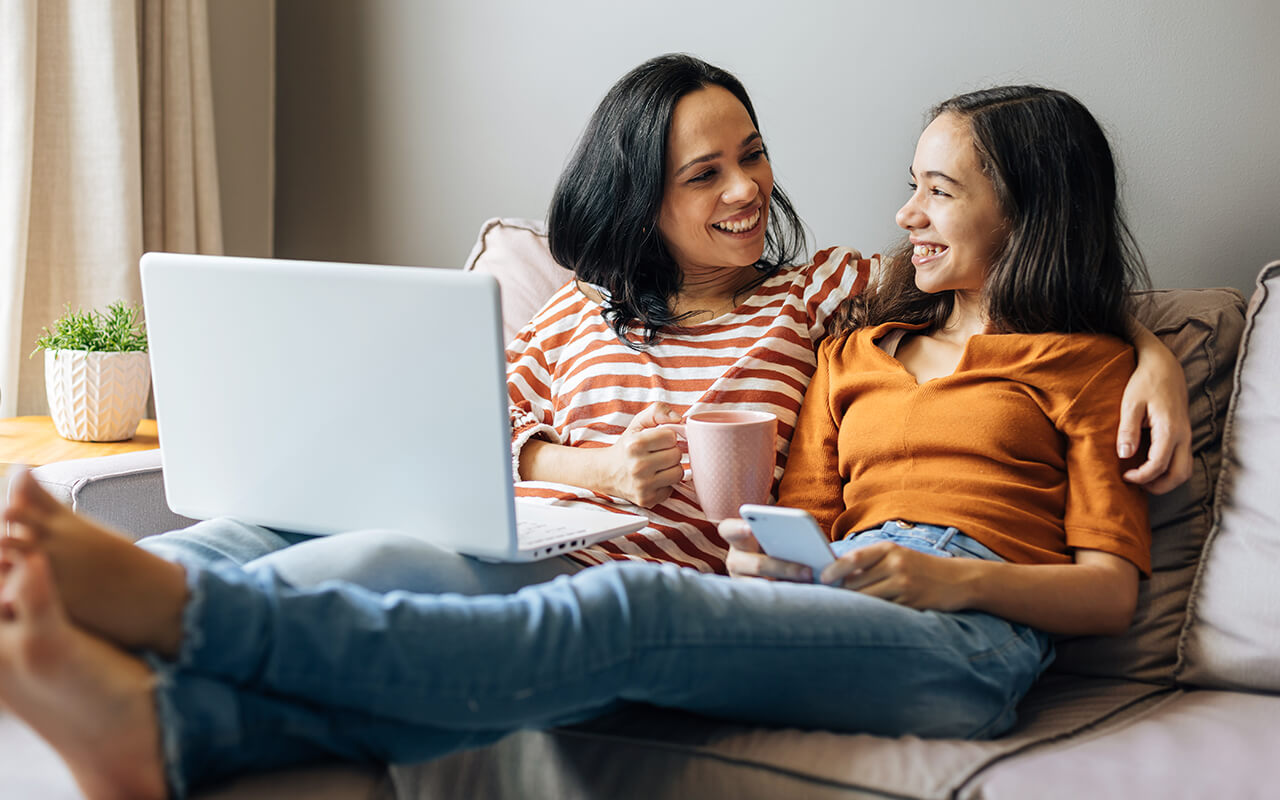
[(953, 216), (715, 201)]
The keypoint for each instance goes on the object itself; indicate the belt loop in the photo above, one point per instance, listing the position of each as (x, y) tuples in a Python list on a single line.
[(947, 535)]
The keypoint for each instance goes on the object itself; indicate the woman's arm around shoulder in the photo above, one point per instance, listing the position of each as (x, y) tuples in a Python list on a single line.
[(835, 274), (1156, 398)]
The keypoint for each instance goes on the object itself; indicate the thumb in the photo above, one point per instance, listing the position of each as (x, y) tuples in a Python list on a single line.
[(736, 532), (655, 414)]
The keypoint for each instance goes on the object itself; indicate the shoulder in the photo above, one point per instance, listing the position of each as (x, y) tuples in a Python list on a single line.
[(1068, 367), (1084, 354), (564, 311), (568, 300), (1072, 352)]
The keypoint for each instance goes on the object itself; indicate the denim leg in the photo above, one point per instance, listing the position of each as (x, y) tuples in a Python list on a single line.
[(212, 731), (385, 561), (220, 540), (449, 667)]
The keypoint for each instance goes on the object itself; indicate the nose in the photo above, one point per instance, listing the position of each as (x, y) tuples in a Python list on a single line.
[(740, 187), (911, 216)]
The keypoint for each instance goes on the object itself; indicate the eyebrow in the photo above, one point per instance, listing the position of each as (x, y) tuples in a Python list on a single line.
[(937, 175), (713, 156)]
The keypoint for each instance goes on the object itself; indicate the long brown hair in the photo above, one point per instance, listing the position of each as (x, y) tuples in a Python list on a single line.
[(1069, 261)]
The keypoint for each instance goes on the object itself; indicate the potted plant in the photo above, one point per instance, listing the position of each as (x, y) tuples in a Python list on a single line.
[(97, 373)]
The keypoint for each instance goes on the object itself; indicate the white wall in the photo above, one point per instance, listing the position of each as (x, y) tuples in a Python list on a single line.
[(403, 124)]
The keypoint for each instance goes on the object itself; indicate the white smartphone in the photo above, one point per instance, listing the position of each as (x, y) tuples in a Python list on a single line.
[(790, 534)]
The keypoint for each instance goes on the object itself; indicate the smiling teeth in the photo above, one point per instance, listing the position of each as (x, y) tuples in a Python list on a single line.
[(923, 250), (740, 225)]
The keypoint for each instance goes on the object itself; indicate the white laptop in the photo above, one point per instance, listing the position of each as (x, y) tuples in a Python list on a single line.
[(325, 397)]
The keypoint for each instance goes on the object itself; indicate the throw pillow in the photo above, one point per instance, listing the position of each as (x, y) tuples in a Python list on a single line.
[(515, 252), (1232, 636)]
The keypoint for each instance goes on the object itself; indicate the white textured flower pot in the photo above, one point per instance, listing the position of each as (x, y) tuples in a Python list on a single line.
[(95, 396)]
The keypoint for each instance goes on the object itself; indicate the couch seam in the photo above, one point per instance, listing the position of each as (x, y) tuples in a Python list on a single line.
[(1165, 694), (701, 752), (75, 487), (489, 226)]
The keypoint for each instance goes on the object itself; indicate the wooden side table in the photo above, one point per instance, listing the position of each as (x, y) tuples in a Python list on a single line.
[(34, 442)]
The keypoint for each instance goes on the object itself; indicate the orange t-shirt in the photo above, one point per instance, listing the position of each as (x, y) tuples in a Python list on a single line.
[(1016, 448)]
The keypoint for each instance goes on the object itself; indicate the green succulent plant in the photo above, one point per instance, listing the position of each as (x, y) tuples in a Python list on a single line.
[(118, 329)]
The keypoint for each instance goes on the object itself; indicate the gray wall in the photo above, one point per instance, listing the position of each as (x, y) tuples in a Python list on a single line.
[(242, 63), (402, 125)]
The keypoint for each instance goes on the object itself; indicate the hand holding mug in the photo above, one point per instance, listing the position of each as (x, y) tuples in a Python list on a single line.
[(643, 465)]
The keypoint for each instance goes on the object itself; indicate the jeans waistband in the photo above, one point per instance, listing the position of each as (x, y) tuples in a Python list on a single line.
[(922, 536)]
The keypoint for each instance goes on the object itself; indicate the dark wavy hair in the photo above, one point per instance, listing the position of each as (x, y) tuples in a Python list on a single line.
[(603, 219), (1069, 261)]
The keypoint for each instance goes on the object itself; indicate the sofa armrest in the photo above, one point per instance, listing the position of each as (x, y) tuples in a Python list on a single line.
[(124, 491)]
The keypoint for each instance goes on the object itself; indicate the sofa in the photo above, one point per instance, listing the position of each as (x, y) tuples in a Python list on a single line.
[(1186, 704)]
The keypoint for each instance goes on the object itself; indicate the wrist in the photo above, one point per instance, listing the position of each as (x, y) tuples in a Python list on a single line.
[(971, 582)]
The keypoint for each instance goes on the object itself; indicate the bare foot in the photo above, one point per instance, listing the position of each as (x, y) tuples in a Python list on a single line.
[(91, 701), (108, 586)]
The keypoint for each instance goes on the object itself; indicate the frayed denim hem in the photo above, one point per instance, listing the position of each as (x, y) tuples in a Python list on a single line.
[(167, 716), (169, 721), (192, 634)]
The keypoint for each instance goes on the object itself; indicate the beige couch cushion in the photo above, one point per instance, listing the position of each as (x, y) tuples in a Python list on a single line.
[(1232, 639), (515, 252), (1190, 744), (1203, 328)]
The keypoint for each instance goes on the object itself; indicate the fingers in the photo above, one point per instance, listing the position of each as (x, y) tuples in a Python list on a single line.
[(655, 488), (853, 569), (1161, 472), (1179, 472), (1133, 416), (758, 565), (1168, 462), (746, 559), (1159, 456)]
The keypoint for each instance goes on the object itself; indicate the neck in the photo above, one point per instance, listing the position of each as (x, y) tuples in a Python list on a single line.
[(714, 282), (710, 290), (968, 316)]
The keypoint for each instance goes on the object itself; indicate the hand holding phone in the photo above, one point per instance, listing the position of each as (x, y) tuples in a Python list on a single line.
[(789, 534)]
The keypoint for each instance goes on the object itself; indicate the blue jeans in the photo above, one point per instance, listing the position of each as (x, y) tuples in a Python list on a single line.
[(270, 675)]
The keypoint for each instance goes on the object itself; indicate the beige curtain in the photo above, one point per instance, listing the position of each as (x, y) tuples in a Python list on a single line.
[(106, 150)]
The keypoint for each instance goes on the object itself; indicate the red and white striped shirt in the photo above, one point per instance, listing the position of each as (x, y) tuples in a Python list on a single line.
[(572, 382)]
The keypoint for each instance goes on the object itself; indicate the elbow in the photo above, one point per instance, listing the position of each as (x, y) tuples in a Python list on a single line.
[(1117, 616)]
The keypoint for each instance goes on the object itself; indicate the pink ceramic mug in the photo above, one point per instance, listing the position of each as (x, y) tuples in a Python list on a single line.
[(731, 455)]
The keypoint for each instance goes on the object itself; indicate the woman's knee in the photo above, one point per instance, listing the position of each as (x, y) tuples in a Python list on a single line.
[(217, 540), (378, 560), (387, 561)]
